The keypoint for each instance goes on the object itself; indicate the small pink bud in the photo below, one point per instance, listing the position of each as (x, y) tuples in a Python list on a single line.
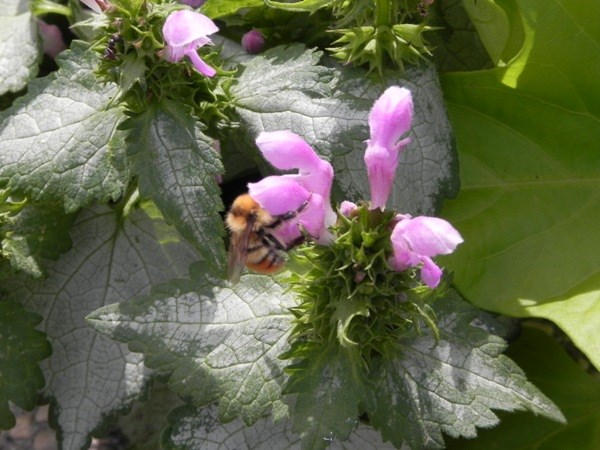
[(52, 39), (253, 41)]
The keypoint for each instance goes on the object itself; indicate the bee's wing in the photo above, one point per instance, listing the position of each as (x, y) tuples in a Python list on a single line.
[(238, 252)]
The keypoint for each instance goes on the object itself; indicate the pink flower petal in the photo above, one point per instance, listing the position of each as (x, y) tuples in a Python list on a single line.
[(184, 27), (430, 273), (278, 194), (391, 116), (199, 64), (429, 236), (415, 241), (287, 151), (381, 168), (185, 31), (92, 5)]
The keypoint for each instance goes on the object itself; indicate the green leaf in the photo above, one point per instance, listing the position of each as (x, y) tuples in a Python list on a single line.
[(144, 425), (191, 428), (177, 168), (219, 8), (300, 5), (217, 341), (89, 377), (491, 23), (329, 384), (450, 385), (456, 44), (22, 347), (286, 89), (573, 390), (37, 232), (60, 142), (19, 45), (528, 136)]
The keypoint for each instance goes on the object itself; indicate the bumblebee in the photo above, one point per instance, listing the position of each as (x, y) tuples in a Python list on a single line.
[(253, 242)]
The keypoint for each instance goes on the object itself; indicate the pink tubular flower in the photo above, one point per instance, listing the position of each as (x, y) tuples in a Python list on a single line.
[(416, 240), (253, 41), (184, 32), (306, 192), (389, 119)]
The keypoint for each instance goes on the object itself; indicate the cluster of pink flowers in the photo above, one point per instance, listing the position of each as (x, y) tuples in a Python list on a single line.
[(414, 240)]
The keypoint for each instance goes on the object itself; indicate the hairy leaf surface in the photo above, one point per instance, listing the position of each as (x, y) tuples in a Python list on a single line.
[(217, 341), (177, 168), (192, 428), (563, 380), (59, 142), (19, 45), (22, 347), (90, 377)]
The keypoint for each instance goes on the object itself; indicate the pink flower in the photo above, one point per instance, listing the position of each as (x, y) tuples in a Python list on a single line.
[(389, 119), (92, 5), (253, 41), (306, 192), (52, 39), (185, 31), (416, 241)]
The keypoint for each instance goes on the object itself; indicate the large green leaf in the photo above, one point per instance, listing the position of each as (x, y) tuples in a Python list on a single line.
[(177, 168), (19, 45), (59, 142), (219, 8), (451, 385), (37, 232), (90, 377), (286, 89), (191, 429), (22, 347), (529, 208), (217, 341), (574, 391)]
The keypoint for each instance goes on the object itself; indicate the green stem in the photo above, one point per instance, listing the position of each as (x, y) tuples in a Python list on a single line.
[(383, 12), (42, 7)]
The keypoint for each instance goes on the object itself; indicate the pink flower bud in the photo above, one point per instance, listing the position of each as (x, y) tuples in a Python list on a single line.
[(52, 39), (253, 41)]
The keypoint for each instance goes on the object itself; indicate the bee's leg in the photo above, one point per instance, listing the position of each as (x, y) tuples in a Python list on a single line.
[(289, 215), (271, 241), (295, 243)]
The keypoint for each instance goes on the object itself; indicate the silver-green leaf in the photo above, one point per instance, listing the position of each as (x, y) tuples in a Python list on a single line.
[(19, 45), (217, 341), (90, 377), (59, 142)]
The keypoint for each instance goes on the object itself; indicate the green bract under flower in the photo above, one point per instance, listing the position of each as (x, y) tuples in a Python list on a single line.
[(134, 54), (350, 294)]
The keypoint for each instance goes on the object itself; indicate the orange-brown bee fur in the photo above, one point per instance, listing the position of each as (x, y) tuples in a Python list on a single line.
[(252, 243)]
